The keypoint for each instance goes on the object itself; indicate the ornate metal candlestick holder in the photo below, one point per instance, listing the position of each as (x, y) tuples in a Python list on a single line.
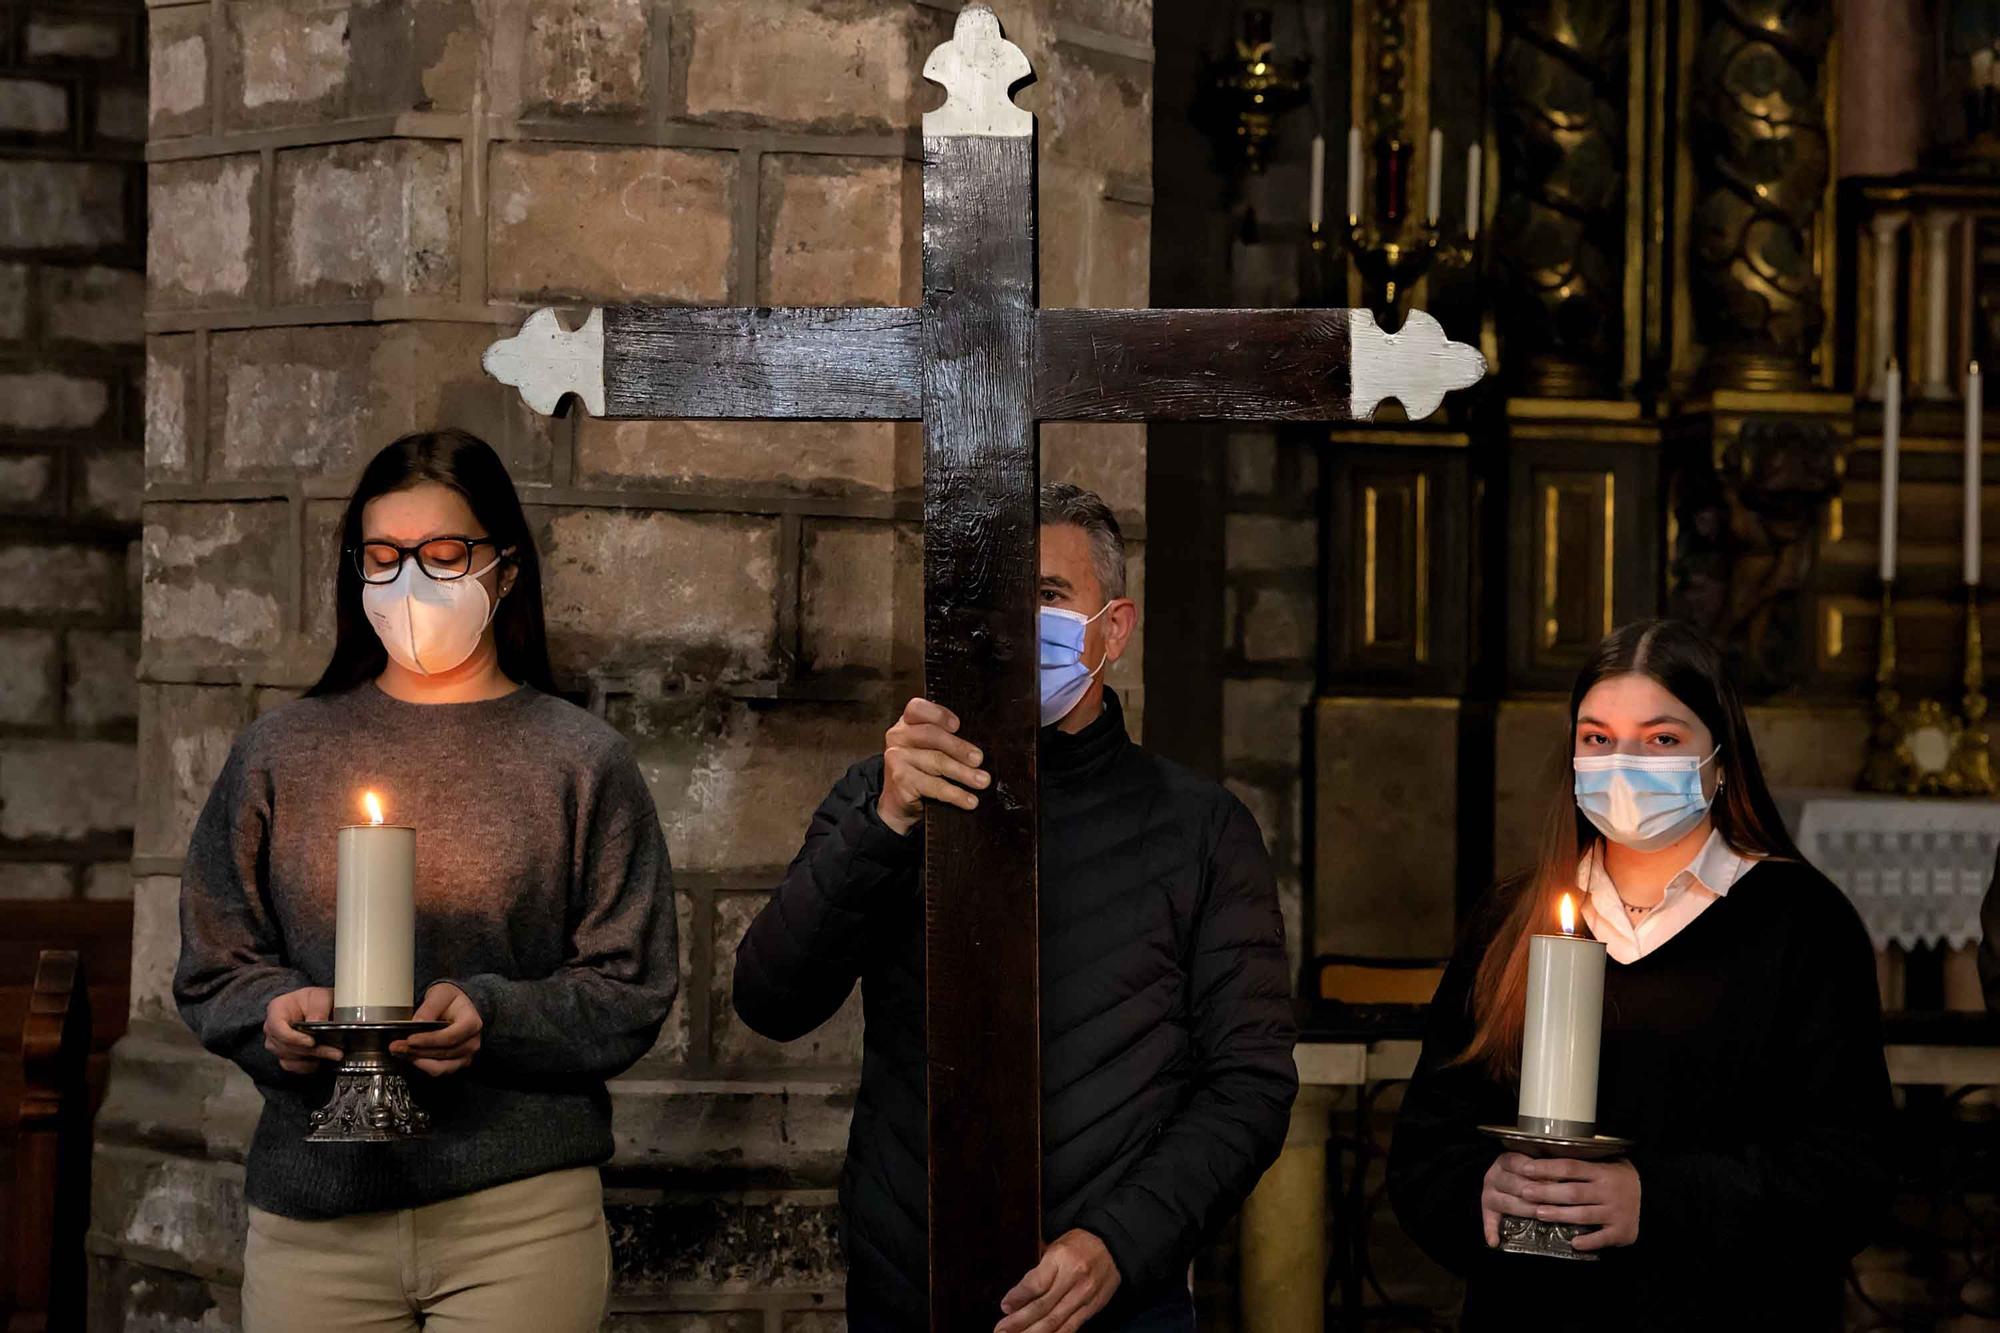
[(1395, 251), (1889, 760), (1972, 760), (371, 1100), (1551, 1240), (1391, 257), (1244, 93), (1925, 749)]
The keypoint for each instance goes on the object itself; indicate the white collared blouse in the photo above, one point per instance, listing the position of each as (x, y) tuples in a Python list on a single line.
[(1706, 878)]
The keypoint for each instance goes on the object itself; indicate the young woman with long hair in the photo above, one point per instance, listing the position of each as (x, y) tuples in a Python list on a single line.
[(545, 929), (1742, 1045)]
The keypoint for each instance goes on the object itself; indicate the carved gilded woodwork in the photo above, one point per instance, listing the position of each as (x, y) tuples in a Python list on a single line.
[(1582, 532), (1405, 512), (1760, 155), (1389, 38), (1559, 229), (1747, 513)]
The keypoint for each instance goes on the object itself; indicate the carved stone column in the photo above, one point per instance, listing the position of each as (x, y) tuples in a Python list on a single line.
[(1888, 265), (1559, 227), (1940, 379), (1760, 159)]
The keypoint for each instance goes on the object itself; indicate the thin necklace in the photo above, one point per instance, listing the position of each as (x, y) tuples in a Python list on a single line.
[(1632, 910)]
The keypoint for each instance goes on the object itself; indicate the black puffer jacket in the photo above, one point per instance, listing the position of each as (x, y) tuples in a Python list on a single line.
[(1166, 1021)]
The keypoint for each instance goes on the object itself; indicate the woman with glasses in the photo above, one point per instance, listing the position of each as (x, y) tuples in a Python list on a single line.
[(545, 929), (1742, 1037)]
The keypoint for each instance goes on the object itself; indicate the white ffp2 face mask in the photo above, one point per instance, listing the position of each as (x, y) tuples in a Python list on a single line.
[(429, 627)]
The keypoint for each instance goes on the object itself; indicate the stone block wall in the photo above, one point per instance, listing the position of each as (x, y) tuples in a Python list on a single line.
[(1270, 619), (350, 198), (1269, 495), (72, 234)]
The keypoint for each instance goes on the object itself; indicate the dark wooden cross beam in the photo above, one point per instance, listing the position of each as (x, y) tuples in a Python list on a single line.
[(979, 364)]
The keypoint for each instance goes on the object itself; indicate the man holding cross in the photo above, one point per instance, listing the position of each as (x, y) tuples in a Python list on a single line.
[(980, 362), (1167, 1074)]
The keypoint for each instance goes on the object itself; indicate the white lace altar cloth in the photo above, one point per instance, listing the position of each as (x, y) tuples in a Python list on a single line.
[(1915, 867)]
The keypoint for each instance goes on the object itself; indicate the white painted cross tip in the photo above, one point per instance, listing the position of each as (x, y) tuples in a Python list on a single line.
[(545, 361), (1417, 365), (976, 68)]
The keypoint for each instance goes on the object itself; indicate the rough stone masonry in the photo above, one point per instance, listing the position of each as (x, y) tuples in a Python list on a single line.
[(72, 230), (347, 201)]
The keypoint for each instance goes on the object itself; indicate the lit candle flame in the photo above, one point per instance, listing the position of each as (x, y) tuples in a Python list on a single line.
[(1568, 915), (374, 804)]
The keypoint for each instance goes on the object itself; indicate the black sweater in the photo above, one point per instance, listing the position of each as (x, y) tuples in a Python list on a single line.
[(1744, 1057), (1167, 1074)]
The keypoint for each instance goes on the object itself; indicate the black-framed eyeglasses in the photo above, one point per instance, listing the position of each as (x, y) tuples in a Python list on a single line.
[(441, 558)]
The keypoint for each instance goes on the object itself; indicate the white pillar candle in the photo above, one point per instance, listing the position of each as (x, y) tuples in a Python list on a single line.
[(1354, 171), (1314, 210), (1434, 177), (1892, 439), (1564, 1028), (375, 920), (1937, 317), (1974, 477), (1473, 186), (1885, 227)]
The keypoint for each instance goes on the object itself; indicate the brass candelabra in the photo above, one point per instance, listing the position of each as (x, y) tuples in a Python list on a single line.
[(1244, 93), (1394, 251), (1925, 749), (1391, 259)]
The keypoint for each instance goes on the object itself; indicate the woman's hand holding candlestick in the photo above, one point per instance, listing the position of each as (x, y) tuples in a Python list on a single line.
[(297, 1053), (1604, 1195), (1501, 1195), (451, 1047)]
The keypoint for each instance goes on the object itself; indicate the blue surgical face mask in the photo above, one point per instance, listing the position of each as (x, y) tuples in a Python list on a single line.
[(1065, 679), (1643, 801)]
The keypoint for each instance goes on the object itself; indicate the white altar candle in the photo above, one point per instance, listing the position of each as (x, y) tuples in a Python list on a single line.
[(1974, 478), (375, 922), (1354, 171), (1892, 438), (1434, 177), (1472, 190), (1313, 198), (1565, 1025)]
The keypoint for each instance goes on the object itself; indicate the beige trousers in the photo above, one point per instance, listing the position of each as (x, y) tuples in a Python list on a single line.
[(531, 1256)]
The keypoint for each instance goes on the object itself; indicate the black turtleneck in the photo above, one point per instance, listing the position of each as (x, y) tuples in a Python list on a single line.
[(1167, 1074), (1078, 756)]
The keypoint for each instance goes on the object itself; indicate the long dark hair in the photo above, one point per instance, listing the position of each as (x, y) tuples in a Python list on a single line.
[(1687, 666), (469, 466)]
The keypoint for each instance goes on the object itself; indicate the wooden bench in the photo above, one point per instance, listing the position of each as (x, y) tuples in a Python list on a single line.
[(62, 964)]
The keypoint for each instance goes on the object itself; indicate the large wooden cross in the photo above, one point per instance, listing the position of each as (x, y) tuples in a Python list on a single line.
[(979, 363)]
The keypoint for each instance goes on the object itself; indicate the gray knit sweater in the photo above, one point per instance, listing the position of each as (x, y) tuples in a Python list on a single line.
[(542, 890)]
